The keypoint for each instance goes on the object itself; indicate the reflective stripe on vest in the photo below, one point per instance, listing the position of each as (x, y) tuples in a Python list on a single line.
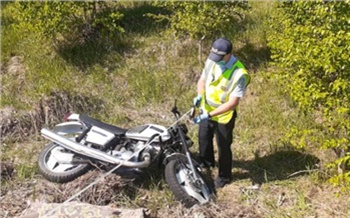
[(218, 91)]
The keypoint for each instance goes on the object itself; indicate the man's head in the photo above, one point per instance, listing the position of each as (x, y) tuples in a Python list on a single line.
[(220, 48)]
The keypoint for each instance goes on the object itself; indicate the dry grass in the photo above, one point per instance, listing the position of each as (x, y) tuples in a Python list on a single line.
[(19, 125)]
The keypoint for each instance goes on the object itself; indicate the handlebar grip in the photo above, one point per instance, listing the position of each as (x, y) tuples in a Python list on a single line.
[(192, 112)]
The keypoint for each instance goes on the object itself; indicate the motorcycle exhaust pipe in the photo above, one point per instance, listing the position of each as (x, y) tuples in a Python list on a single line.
[(90, 152)]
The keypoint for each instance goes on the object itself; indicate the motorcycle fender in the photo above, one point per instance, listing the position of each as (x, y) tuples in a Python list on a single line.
[(178, 156), (69, 128)]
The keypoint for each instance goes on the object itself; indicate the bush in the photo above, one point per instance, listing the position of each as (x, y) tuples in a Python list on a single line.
[(201, 18), (70, 20), (309, 40)]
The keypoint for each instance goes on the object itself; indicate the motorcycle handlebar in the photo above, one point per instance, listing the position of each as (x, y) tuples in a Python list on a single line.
[(191, 113), (153, 137)]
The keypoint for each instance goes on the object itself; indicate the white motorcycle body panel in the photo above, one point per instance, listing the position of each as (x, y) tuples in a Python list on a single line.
[(99, 136), (145, 132)]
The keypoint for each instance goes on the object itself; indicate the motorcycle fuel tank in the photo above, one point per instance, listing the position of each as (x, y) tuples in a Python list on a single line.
[(145, 132)]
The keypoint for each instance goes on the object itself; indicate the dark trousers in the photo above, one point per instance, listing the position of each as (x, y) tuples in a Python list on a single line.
[(224, 135)]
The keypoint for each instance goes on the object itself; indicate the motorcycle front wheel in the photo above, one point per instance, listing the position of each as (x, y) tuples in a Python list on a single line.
[(54, 170), (186, 188)]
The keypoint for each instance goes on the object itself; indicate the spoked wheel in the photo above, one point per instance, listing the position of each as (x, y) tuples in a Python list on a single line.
[(186, 188), (55, 164)]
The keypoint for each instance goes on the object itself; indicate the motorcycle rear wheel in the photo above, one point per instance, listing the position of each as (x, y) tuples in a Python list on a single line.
[(181, 181), (54, 171)]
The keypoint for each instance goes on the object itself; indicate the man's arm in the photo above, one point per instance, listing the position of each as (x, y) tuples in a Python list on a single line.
[(201, 86), (230, 105), (233, 102)]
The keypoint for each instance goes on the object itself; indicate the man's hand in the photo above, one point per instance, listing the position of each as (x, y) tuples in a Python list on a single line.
[(200, 118), (197, 100)]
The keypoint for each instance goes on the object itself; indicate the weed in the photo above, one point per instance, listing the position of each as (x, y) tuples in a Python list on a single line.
[(25, 171)]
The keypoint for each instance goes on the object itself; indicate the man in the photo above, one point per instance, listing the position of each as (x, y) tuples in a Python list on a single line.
[(223, 82)]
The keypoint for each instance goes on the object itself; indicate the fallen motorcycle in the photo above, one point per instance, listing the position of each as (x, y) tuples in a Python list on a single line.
[(81, 141)]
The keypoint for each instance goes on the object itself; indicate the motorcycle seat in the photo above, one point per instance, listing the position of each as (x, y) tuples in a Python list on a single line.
[(91, 121)]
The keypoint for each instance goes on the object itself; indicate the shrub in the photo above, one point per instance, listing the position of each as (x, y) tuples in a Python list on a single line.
[(55, 19), (309, 40), (201, 18)]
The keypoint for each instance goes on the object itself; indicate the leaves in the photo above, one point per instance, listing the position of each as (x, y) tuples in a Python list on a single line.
[(310, 40), (201, 18), (55, 18)]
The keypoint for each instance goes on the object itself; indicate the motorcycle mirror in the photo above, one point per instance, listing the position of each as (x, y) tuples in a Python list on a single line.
[(174, 110)]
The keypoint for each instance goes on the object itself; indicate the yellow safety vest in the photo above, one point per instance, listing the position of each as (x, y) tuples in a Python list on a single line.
[(218, 91)]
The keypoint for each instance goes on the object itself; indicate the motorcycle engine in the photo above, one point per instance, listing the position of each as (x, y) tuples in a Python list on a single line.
[(127, 149)]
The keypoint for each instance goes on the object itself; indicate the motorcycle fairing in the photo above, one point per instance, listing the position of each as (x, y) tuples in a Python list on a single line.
[(99, 136)]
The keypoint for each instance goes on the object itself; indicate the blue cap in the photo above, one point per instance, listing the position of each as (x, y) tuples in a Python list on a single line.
[(220, 48)]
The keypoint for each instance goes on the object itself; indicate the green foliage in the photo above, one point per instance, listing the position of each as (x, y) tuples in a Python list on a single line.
[(25, 171), (201, 18), (310, 41), (300, 138), (56, 19)]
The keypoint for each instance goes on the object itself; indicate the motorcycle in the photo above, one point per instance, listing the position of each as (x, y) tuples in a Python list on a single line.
[(81, 141)]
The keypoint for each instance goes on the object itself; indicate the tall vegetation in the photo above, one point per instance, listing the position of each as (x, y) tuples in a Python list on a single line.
[(57, 20), (199, 19), (310, 42)]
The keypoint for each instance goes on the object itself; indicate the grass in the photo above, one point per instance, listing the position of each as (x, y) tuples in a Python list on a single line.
[(137, 82)]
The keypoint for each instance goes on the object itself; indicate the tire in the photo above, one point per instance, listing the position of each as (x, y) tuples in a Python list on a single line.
[(58, 172), (184, 188)]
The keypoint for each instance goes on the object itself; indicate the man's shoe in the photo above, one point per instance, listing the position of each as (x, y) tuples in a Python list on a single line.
[(221, 182), (205, 164)]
